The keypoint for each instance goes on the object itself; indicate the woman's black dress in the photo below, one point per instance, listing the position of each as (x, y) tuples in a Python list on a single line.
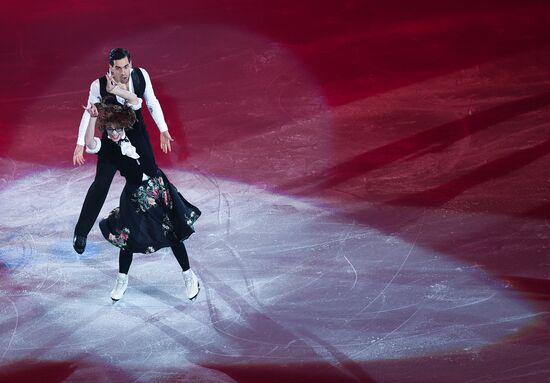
[(152, 213)]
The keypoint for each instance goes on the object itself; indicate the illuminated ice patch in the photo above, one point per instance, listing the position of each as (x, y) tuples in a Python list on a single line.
[(282, 280)]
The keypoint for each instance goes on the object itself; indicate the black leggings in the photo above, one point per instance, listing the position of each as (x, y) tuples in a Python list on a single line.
[(125, 258)]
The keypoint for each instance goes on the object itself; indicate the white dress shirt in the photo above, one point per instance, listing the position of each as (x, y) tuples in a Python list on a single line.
[(148, 95)]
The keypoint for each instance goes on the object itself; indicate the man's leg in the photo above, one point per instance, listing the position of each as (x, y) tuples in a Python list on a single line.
[(93, 203)]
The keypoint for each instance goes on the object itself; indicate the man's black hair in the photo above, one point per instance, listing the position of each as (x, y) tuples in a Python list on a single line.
[(118, 54)]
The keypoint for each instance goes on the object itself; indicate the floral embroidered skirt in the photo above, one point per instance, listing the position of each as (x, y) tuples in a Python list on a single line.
[(150, 217)]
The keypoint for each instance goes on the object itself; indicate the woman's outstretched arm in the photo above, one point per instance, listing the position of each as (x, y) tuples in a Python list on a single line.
[(117, 90), (89, 136)]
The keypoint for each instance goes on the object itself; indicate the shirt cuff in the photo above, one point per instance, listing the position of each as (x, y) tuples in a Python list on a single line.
[(136, 106), (97, 146)]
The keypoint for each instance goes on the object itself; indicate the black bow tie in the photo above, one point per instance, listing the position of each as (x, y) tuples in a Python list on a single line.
[(125, 139)]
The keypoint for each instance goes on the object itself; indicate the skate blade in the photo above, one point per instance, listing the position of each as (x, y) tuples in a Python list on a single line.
[(196, 295)]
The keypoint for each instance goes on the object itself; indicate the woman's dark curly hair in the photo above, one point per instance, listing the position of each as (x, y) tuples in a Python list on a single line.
[(114, 115)]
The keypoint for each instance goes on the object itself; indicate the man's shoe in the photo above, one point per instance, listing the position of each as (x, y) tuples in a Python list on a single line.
[(191, 284), (79, 243), (120, 286)]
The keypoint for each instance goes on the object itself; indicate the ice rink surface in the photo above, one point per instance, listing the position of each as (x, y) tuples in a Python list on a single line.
[(373, 180)]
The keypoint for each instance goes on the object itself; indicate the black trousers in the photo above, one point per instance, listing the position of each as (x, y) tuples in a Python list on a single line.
[(105, 171), (125, 258), (95, 197)]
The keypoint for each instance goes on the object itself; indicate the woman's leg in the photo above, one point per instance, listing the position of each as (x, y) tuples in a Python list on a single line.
[(181, 255), (124, 261), (125, 258), (191, 281)]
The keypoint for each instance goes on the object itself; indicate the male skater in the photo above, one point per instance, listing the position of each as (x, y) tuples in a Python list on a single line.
[(135, 80)]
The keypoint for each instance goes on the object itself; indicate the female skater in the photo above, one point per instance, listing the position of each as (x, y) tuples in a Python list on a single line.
[(152, 214)]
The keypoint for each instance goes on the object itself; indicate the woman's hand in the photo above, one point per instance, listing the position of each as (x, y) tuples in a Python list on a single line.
[(89, 135), (111, 83), (78, 155), (92, 110)]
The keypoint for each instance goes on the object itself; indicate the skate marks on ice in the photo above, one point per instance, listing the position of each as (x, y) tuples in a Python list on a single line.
[(281, 280)]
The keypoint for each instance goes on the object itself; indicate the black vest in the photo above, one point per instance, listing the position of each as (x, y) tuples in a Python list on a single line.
[(139, 88), (138, 134)]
